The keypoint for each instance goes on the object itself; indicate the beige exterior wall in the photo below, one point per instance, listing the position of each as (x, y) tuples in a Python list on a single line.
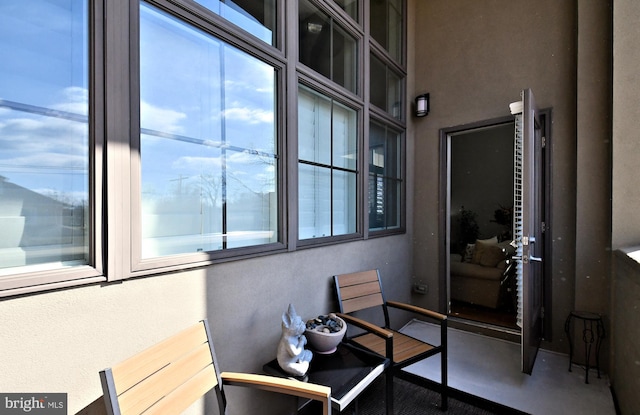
[(626, 124), (625, 330), (475, 58), (58, 341)]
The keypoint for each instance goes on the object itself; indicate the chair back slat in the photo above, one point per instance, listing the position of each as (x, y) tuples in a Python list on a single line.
[(359, 290), (153, 389), (166, 378), (189, 392), (144, 364), (357, 278), (360, 303)]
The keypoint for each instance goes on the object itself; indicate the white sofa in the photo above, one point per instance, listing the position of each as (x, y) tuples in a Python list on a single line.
[(478, 276)]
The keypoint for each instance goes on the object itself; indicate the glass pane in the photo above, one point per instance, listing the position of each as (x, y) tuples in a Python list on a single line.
[(378, 85), (394, 104), (394, 43), (384, 203), (325, 47), (386, 26), (384, 178), (44, 134), (314, 201), (344, 202), (349, 6), (377, 142), (257, 17), (386, 88), (208, 135), (344, 59), (378, 21), (315, 38), (345, 145), (314, 127)]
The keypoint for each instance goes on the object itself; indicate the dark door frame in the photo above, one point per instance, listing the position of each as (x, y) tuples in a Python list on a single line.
[(444, 208)]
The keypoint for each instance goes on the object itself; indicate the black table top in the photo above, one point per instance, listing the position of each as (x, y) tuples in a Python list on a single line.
[(341, 370)]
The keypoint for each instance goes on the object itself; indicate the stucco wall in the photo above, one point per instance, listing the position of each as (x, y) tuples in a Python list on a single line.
[(474, 58), (58, 341), (626, 123), (625, 202)]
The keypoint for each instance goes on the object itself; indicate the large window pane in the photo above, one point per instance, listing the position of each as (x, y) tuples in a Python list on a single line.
[(257, 17), (326, 47), (385, 178), (44, 134), (208, 142), (327, 182)]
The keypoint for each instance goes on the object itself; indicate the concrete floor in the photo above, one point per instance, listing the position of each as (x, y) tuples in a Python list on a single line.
[(490, 368)]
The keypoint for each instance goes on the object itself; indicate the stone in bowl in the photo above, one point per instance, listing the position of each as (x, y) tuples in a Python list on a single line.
[(324, 333)]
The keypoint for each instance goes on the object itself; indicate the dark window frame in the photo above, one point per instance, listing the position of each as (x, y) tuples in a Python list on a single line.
[(115, 126)]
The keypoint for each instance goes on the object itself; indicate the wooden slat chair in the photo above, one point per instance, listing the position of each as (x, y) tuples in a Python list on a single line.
[(363, 290), (170, 376)]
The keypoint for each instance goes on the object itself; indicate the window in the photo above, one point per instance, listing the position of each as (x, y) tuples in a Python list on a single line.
[(327, 172), (385, 178), (207, 143), (257, 17), (326, 47), (160, 138), (44, 136), (386, 130)]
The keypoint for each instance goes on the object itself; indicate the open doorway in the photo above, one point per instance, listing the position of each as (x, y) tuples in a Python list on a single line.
[(480, 185), (495, 204)]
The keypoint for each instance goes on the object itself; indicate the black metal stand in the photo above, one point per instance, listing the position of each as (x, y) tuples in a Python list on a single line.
[(589, 336)]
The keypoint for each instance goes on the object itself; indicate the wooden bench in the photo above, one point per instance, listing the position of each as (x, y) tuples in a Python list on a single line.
[(169, 377)]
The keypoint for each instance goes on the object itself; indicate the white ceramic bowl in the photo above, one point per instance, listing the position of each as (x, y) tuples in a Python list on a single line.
[(325, 343)]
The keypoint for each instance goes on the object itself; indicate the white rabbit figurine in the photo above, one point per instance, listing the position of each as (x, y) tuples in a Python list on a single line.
[(292, 356)]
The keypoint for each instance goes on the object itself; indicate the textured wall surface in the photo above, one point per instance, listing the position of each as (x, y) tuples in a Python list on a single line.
[(474, 58)]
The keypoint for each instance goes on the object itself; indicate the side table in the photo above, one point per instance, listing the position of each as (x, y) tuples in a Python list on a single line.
[(348, 371), (592, 331)]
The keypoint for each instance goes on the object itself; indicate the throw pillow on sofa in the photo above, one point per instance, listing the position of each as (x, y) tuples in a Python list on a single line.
[(480, 246), (492, 256)]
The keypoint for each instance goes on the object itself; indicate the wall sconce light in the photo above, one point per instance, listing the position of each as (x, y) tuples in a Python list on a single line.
[(422, 105)]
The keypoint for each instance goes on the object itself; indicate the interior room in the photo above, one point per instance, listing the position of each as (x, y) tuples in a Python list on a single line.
[(220, 160)]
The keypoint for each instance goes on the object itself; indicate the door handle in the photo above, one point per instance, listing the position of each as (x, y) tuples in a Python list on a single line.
[(527, 258)]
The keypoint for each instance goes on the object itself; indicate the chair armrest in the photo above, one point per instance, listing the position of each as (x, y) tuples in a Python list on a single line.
[(281, 385), (365, 325), (418, 310)]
